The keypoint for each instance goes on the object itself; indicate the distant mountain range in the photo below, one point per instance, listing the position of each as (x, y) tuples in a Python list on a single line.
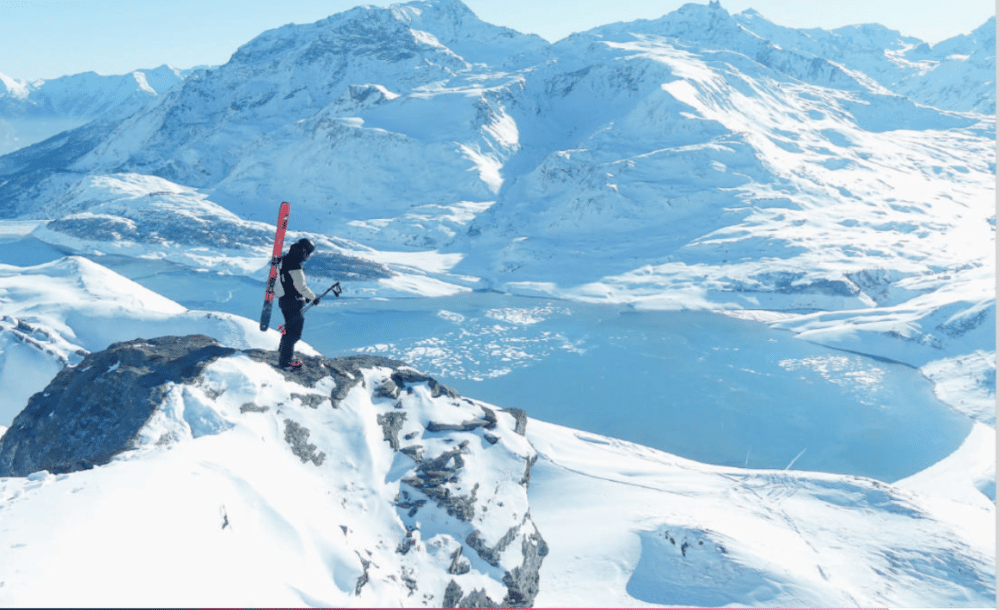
[(955, 74), (699, 153), (36, 110), (419, 126)]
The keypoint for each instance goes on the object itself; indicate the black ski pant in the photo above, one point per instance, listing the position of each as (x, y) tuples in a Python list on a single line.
[(292, 310)]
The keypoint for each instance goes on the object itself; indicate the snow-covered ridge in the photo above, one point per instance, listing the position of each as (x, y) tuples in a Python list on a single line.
[(431, 503), (13, 88)]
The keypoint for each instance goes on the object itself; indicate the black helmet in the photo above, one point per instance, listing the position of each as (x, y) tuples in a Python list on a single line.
[(301, 250), (306, 245)]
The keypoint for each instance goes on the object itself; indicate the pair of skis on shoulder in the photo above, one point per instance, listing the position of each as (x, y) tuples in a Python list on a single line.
[(272, 278)]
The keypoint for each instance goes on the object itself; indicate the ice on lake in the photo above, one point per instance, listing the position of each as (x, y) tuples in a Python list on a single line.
[(696, 384), (700, 385)]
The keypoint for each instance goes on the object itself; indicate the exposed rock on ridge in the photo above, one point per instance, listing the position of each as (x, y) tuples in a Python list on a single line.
[(459, 469), (93, 411)]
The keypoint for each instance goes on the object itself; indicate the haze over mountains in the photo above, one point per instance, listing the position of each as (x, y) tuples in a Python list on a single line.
[(36, 110), (524, 221)]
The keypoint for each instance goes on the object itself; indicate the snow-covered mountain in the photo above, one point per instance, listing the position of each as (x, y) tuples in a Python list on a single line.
[(522, 221), (518, 154), (36, 110)]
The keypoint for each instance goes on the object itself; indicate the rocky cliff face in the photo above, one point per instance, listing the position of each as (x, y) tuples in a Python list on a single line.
[(451, 473)]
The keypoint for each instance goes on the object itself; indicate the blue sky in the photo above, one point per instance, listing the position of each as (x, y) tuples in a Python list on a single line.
[(51, 38)]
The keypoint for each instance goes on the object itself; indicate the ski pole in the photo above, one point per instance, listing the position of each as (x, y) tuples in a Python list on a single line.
[(336, 292)]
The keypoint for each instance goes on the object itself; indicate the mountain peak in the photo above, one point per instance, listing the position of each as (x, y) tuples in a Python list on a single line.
[(12, 87), (456, 26), (454, 9), (692, 22)]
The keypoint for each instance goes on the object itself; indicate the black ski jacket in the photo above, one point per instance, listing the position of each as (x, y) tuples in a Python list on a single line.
[(291, 278)]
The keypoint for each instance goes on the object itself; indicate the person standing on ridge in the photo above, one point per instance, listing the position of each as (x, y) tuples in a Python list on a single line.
[(293, 294)]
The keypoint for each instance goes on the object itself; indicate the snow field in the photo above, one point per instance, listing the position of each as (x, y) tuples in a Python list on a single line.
[(648, 528)]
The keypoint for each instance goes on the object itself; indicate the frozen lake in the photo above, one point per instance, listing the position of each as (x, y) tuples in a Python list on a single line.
[(696, 384)]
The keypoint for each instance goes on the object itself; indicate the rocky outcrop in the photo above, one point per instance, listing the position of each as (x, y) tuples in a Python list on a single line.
[(459, 469), (492, 514), (93, 411)]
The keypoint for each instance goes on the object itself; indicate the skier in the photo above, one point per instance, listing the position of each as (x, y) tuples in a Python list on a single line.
[(293, 294)]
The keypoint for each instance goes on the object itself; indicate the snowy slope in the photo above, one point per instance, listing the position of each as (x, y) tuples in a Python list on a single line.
[(154, 226), (362, 482), (663, 531), (34, 111)]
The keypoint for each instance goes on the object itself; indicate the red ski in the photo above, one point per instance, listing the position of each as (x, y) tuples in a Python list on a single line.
[(279, 241)]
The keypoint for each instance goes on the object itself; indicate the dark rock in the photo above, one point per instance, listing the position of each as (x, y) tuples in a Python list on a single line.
[(363, 579), (345, 371), (477, 599), (409, 581), (311, 400), (522, 581), (459, 565), (93, 411), (490, 416), (298, 438), (526, 478), (387, 390), (452, 595), (403, 501), (406, 544), (521, 418), (466, 426), (491, 555), (391, 424), (433, 475), (416, 452), (408, 377), (249, 407)]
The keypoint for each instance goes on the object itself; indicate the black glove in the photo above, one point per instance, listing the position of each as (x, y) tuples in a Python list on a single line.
[(316, 301)]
